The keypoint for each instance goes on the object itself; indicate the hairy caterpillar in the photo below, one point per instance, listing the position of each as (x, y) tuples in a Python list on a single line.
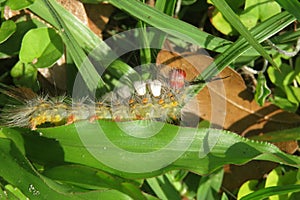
[(152, 99)]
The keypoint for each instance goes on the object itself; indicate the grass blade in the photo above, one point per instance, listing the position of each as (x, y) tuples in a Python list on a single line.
[(228, 13), (170, 25), (292, 6)]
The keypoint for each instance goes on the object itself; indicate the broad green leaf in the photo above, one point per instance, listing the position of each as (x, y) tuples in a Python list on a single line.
[(262, 90), (12, 45), (86, 39), (6, 30), (84, 143), (262, 9), (93, 179), (26, 180), (19, 4), (166, 6), (280, 136), (36, 186), (41, 47)]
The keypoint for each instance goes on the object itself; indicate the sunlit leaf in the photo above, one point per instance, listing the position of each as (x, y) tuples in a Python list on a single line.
[(41, 47), (6, 30)]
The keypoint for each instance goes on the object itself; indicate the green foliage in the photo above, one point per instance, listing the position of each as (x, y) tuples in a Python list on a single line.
[(253, 12), (41, 47), (88, 173), (286, 95), (262, 90), (12, 45), (280, 184), (55, 163), (24, 74), (18, 4), (6, 30)]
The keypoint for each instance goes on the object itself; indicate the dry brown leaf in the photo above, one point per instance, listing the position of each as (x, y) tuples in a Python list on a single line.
[(241, 113), (98, 16)]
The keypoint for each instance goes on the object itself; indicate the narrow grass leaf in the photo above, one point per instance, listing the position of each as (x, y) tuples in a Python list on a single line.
[(226, 10), (292, 6)]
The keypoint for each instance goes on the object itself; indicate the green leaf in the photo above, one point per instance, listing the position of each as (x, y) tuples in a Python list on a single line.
[(13, 44), (25, 75), (84, 143), (262, 9), (84, 65), (221, 24), (209, 186), (292, 6), (278, 177), (26, 179), (163, 188), (170, 25), (13, 192), (19, 4), (284, 103), (6, 30), (237, 24), (270, 191), (253, 12), (188, 2), (293, 94), (261, 32), (262, 90), (93, 179), (18, 171), (282, 78), (166, 6), (41, 47), (248, 187)]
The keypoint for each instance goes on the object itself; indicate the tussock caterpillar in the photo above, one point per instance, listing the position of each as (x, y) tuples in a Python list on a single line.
[(151, 99)]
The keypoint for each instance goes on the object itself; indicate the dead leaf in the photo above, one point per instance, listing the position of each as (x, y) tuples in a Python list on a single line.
[(98, 16), (228, 98), (230, 105)]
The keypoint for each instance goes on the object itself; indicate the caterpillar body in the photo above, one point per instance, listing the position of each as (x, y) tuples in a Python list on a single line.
[(152, 99)]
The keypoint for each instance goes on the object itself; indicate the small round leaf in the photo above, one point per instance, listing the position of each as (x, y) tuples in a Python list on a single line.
[(41, 47)]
